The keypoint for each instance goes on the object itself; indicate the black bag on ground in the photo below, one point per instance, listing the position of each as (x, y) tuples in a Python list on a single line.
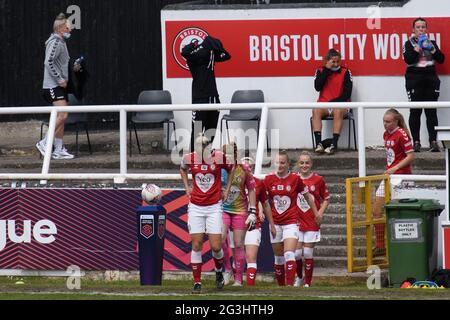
[(441, 277)]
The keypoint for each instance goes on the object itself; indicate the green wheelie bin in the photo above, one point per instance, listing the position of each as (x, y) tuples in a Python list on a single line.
[(412, 238)]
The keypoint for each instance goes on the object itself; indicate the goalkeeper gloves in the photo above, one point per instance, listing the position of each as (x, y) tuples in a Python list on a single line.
[(251, 220), (424, 43)]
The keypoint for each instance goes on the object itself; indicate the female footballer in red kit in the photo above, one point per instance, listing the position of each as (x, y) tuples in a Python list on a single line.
[(399, 157), (309, 228), (283, 187), (205, 205)]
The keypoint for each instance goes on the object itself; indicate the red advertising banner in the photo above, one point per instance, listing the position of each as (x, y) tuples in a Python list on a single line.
[(285, 48), (446, 248)]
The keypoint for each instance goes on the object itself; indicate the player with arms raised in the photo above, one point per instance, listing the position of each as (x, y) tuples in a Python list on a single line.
[(205, 205)]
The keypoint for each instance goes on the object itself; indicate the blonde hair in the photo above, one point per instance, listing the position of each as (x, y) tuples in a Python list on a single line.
[(284, 153), (202, 140), (307, 154), (400, 120), (60, 21), (249, 160)]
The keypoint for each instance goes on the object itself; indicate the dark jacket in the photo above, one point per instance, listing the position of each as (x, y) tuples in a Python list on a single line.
[(77, 80), (421, 62), (201, 59)]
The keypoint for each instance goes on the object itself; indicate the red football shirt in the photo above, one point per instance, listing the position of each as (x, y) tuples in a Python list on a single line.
[(261, 196), (283, 193), (206, 177), (397, 145), (318, 189)]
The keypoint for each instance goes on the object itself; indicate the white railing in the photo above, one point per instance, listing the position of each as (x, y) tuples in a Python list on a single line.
[(264, 107)]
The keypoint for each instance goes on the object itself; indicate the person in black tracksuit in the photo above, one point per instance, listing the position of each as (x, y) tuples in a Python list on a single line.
[(201, 58), (422, 82)]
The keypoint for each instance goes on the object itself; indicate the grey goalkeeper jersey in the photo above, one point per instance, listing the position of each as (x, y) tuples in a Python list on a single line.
[(56, 64)]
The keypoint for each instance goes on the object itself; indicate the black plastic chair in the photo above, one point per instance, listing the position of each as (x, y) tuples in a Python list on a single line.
[(244, 96), (74, 122), (351, 120), (153, 117)]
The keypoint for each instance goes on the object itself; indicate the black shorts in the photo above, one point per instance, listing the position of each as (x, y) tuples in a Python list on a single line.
[(55, 94)]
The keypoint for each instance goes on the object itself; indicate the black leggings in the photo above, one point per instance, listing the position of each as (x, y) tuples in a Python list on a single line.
[(202, 121), (414, 123), (423, 87)]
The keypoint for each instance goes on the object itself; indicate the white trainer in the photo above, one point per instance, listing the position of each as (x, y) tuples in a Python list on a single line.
[(41, 147), (306, 285), (237, 284), (62, 154), (298, 282), (319, 148), (227, 277)]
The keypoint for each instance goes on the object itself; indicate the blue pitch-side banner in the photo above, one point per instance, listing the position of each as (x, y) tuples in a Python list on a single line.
[(95, 229)]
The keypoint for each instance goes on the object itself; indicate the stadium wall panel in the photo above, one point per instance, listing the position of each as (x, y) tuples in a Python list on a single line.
[(95, 230)]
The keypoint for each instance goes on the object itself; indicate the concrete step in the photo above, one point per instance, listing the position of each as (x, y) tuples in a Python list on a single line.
[(330, 251), (330, 262), (338, 251), (337, 197), (334, 218), (333, 229), (336, 208), (340, 240)]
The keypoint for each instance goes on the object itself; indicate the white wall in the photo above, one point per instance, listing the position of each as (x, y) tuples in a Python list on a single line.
[(294, 125)]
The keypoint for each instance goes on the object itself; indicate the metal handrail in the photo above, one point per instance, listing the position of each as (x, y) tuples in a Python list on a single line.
[(264, 107)]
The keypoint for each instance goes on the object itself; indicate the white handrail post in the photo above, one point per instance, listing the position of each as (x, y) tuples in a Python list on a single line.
[(49, 143), (261, 140), (123, 144), (361, 140)]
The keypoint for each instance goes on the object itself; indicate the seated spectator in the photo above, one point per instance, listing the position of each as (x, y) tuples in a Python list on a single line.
[(335, 84)]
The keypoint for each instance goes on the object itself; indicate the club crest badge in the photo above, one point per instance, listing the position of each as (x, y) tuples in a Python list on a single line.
[(183, 38), (147, 226), (161, 226)]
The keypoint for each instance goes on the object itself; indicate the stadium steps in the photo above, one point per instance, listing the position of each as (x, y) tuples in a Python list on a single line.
[(18, 154)]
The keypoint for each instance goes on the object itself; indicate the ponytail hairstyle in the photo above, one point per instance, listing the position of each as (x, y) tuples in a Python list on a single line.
[(230, 150), (400, 120), (332, 53), (201, 145)]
